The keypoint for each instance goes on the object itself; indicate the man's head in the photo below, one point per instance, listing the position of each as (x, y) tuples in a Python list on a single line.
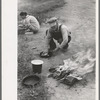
[(53, 23), (23, 15)]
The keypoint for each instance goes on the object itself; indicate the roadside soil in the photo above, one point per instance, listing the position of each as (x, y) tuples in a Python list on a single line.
[(79, 16)]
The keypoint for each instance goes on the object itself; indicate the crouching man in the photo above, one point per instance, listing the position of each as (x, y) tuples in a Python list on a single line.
[(29, 23), (58, 32)]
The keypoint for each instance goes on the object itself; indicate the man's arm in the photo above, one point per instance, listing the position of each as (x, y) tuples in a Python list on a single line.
[(64, 35), (21, 25), (48, 39)]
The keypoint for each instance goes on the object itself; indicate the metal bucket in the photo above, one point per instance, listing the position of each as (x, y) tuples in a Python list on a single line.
[(37, 66)]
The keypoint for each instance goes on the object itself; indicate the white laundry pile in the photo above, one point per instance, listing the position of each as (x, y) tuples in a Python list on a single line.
[(77, 67)]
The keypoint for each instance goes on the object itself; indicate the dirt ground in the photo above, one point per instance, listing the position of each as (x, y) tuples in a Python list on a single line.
[(79, 16)]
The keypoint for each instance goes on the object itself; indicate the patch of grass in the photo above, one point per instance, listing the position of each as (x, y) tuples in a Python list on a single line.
[(40, 11), (25, 55)]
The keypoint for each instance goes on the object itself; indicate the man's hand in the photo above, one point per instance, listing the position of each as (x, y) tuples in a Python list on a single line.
[(22, 27), (56, 49)]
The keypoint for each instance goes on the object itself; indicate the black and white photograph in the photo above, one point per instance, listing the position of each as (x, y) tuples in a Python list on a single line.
[(56, 50)]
